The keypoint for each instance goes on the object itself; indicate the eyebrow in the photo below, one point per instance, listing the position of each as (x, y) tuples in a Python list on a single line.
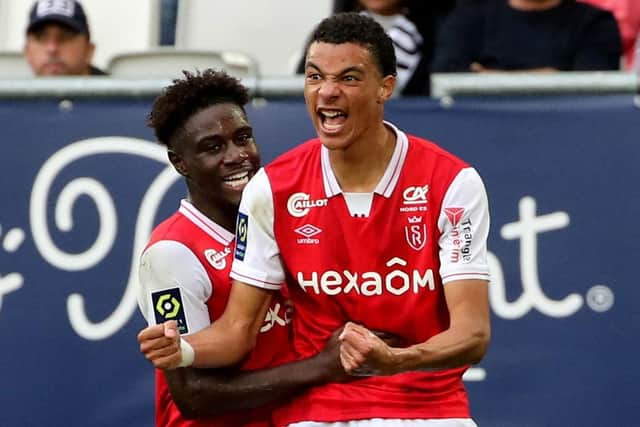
[(353, 68), (215, 136)]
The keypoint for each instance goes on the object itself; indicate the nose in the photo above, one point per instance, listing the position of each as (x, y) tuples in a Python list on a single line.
[(329, 88), (52, 44), (235, 154)]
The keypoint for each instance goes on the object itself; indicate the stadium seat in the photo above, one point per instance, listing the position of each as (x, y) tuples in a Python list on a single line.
[(274, 32), (116, 25), (13, 65), (167, 62)]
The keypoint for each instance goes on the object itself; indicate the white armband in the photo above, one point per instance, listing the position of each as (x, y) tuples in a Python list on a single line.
[(188, 353)]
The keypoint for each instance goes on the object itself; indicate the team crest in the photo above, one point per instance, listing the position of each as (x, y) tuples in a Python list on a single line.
[(416, 233)]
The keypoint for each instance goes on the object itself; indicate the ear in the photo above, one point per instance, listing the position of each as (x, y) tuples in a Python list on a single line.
[(386, 89), (177, 162), (91, 48)]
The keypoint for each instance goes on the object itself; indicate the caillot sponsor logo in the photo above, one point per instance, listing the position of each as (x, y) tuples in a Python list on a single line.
[(217, 259), (299, 204)]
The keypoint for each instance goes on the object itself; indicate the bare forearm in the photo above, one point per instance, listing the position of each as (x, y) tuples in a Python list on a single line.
[(449, 349), (219, 346), (203, 392), (231, 337), (467, 338)]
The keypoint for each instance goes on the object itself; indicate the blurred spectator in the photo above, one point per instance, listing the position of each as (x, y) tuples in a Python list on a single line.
[(627, 13), (168, 16), (528, 35), (58, 40), (411, 25)]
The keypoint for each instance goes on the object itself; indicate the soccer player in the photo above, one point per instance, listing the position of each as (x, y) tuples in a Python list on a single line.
[(369, 226), (184, 270)]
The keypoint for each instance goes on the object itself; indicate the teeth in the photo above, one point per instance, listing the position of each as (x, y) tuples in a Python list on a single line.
[(237, 180), (239, 175), (332, 114)]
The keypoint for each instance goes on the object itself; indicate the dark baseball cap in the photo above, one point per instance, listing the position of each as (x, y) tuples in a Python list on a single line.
[(66, 12)]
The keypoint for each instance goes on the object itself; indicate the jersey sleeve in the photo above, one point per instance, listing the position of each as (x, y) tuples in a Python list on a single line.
[(257, 258), (174, 285), (464, 227)]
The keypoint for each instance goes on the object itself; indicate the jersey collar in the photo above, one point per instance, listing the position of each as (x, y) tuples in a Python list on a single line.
[(391, 175), (204, 223)]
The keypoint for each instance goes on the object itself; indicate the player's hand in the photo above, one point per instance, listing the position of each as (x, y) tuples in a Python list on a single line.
[(363, 353), (329, 358), (160, 344)]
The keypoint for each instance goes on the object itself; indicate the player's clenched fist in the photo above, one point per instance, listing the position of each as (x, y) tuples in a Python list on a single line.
[(363, 353), (160, 344)]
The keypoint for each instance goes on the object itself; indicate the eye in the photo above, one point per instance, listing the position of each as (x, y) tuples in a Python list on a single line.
[(245, 138), (313, 76), (350, 78), (214, 147)]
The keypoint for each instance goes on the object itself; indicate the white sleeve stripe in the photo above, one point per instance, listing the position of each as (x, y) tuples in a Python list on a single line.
[(469, 276), (255, 282), (471, 273)]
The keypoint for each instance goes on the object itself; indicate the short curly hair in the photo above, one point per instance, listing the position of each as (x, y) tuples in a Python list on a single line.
[(353, 27), (189, 95)]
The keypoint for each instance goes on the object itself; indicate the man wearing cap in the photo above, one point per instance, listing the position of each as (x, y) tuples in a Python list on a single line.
[(58, 40)]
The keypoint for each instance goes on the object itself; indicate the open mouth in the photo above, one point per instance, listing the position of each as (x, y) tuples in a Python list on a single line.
[(332, 121), (237, 181)]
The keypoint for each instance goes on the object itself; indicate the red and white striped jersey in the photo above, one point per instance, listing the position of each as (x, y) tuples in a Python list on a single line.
[(378, 259), (184, 276)]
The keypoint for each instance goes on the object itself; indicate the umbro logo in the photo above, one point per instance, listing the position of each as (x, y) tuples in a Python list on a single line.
[(308, 231)]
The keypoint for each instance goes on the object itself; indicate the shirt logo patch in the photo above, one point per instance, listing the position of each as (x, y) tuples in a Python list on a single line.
[(454, 215), (299, 204), (308, 231), (241, 236), (275, 318), (415, 232), (167, 305), (218, 260), (415, 195), (414, 199), (461, 235)]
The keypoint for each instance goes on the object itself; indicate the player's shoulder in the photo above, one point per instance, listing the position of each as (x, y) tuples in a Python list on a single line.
[(169, 228), (422, 148), (179, 228), (293, 157)]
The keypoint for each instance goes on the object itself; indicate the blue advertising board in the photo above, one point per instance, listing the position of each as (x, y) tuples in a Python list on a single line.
[(83, 184)]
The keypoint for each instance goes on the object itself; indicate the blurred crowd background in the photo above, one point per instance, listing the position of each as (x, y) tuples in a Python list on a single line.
[(158, 38)]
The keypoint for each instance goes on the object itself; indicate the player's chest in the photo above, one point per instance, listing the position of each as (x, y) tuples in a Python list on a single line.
[(403, 225)]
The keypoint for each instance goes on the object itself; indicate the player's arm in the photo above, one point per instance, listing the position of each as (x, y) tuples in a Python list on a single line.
[(203, 392), (464, 342), (231, 337), (464, 225), (225, 342)]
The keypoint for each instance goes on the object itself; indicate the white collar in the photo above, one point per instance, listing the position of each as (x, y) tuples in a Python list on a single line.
[(205, 223), (391, 175)]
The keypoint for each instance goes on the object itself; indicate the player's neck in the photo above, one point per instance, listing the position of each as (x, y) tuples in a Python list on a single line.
[(533, 5), (360, 167), (223, 215)]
